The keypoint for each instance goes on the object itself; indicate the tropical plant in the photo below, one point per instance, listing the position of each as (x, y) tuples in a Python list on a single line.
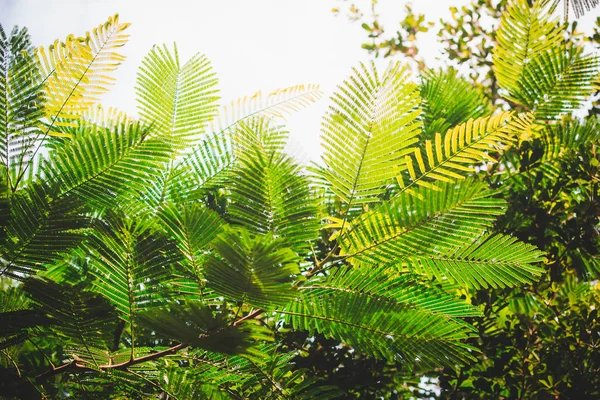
[(538, 340), (176, 255)]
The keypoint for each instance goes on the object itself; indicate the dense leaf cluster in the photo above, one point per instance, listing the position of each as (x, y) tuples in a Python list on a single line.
[(537, 341), (187, 255)]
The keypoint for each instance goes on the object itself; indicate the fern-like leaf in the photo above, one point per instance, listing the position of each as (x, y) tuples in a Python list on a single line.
[(449, 100), (17, 318), (199, 327), (275, 106), (239, 126), (371, 125), (492, 261), (451, 158), (40, 230), (192, 227), (104, 166), (270, 195), (108, 118), (255, 270), (177, 100), (383, 283), (436, 220), (83, 320), (132, 264), (557, 82), (581, 6), (524, 33), (382, 328), (262, 372), (77, 70), (21, 102)]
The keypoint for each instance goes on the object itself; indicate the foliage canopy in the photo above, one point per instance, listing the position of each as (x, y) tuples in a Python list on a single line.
[(175, 255)]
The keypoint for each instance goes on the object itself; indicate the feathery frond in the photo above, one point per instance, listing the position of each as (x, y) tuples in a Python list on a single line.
[(449, 100), (132, 264), (557, 82), (17, 318), (208, 166), (275, 106), (212, 162), (255, 270), (40, 229), (82, 319), (434, 221), (524, 33), (371, 126), (259, 134), (567, 138), (382, 328), (21, 102), (236, 128), (108, 118), (261, 372), (76, 71), (177, 101), (492, 261), (104, 166), (269, 194), (384, 283), (199, 327), (461, 150), (192, 227), (182, 383), (536, 67), (581, 6)]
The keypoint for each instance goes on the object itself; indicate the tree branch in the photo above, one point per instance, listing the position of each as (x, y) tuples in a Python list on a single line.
[(249, 316), (77, 366)]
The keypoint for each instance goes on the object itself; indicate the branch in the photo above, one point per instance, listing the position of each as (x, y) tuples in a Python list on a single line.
[(249, 316), (77, 366)]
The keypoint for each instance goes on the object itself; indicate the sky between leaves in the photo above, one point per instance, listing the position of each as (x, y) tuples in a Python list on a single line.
[(252, 44)]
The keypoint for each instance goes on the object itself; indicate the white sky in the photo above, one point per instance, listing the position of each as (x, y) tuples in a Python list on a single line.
[(252, 44)]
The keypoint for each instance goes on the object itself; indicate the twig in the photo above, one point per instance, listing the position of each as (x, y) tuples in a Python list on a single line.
[(76, 365), (249, 316), (5, 352)]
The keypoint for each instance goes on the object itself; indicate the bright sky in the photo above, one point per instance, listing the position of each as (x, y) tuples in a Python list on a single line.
[(252, 44)]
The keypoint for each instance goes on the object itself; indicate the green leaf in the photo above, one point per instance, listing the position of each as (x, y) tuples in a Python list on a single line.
[(558, 82), (492, 261), (436, 220), (257, 270), (132, 263), (449, 100), (371, 125), (262, 372), (269, 194), (192, 227), (463, 148), (21, 102), (83, 320), (382, 328), (108, 166), (383, 283), (177, 101), (41, 229), (524, 33), (239, 126), (200, 327)]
